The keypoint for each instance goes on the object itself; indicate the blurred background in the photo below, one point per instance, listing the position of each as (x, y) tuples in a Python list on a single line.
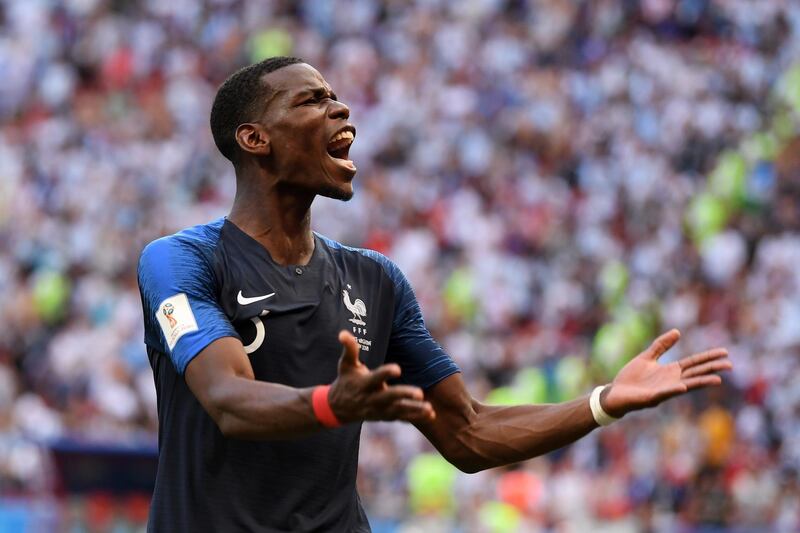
[(561, 180)]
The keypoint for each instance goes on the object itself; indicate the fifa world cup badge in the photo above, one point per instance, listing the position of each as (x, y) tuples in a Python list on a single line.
[(168, 310), (176, 318)]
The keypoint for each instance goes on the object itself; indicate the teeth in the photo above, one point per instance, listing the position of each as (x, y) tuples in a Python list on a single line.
[(342, 135)]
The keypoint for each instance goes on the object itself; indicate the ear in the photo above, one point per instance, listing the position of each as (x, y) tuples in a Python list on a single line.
[(253, 139)]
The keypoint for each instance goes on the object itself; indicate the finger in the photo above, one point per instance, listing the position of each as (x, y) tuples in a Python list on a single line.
[(663, 343), (416, 416), (702, 381), (717, 365), (396, 393), (411, 411), (350, 349), (666, 394), (382, 374), (702, 357)]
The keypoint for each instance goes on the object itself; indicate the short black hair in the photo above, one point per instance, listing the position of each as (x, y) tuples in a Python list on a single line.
[(237, 101)]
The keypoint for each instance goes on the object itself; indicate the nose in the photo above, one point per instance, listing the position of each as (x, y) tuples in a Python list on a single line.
[(338, 110)]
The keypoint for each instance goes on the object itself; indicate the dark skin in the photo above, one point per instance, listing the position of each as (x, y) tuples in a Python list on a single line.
[(284, 163)]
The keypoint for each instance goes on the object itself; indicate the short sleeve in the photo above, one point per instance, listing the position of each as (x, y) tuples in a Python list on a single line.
[(181, 313), (422, 360)]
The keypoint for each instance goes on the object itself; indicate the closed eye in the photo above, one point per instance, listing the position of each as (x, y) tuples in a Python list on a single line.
[(319, 95)]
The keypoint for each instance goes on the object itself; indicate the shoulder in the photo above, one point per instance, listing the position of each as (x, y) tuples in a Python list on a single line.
[(186, 257), (186, 245), (365, 254)]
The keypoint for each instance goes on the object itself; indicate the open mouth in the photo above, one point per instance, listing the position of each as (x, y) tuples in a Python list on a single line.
[(339, 145)]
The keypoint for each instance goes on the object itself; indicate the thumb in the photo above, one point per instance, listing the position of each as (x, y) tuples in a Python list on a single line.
[(662, 344), (349, 358)]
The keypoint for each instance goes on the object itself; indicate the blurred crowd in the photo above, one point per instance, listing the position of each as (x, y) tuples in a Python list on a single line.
[(561, 180)]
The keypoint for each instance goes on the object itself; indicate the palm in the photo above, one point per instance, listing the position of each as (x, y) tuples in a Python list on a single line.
[(644, 382)]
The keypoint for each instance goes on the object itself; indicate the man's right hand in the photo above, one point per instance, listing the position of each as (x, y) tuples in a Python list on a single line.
[(363, 394)]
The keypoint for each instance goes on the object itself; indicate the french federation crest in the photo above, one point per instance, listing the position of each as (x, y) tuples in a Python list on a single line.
[(358, 308)]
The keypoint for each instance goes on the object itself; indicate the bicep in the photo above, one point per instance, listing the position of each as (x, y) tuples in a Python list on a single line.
[(215, 369), (455, 410), (181, 311), (423, 362)]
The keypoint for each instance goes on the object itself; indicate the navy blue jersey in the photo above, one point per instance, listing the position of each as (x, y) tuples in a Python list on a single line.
[(213, 281)]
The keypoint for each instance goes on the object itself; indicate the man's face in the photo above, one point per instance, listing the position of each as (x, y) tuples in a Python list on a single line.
[(309, 133)]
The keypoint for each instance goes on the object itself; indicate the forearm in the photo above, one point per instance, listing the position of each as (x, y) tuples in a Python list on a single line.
[(497, 436), (249, 409), (474, 437), (223, 381)]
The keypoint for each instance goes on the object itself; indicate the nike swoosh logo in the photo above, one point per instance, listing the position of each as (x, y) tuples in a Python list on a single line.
[(253, 299)]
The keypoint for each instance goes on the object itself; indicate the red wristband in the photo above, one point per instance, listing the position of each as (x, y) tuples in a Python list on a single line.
[(322, 409)]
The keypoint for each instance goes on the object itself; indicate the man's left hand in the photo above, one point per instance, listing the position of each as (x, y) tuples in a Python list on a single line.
[(644, 382)]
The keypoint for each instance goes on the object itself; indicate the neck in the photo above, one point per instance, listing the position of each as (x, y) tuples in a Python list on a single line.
[(276, 217)]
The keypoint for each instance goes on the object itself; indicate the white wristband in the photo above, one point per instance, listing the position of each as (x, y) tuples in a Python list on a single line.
[(600, 416)]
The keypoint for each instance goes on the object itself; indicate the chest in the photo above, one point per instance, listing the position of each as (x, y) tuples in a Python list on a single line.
[(289, 318)]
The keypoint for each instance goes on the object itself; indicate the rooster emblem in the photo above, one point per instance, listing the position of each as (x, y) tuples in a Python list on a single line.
[(358, 308)]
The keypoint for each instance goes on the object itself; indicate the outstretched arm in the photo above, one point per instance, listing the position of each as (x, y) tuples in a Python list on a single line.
[(475, 437)]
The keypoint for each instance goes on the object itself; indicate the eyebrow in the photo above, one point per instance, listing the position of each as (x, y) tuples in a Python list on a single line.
[(317, 92)]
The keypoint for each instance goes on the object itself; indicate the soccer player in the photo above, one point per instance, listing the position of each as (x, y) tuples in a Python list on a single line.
[(246, 318)]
